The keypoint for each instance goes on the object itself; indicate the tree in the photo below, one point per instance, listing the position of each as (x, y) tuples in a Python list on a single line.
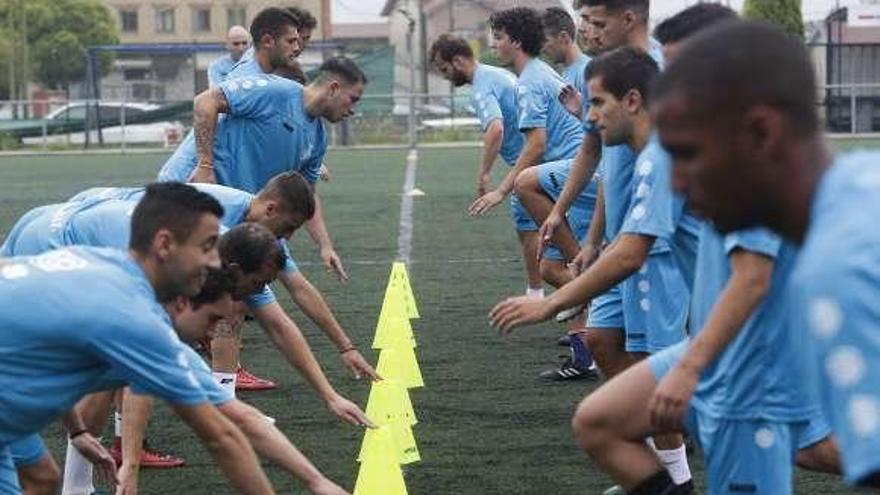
[(784, 13), (57, 34)]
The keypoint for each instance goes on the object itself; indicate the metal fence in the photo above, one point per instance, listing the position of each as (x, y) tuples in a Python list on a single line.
[(391, 120)]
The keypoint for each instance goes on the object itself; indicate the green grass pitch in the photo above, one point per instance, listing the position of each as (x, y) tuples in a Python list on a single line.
[(487, 425)]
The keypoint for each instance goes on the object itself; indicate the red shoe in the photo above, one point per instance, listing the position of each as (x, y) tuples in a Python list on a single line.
[(245, 380), (149, 458)]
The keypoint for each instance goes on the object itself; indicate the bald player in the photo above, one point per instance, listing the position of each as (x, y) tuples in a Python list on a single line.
[(237, 42)]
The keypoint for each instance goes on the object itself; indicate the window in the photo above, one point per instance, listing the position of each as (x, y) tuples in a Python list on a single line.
[(164, 20), (235, 16), (201, 19), (72, 113), (128, 19)]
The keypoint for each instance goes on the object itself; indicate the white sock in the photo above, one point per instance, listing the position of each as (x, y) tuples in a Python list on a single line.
[(117, 424), (77, 473), (676, 463), (226, 380), (537, 293)]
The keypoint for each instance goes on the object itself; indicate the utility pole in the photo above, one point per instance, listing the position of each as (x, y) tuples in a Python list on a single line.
[(411, 120)]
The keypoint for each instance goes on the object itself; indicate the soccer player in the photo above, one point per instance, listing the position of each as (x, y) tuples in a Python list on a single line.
[(277, 42), (76, 334), (764, 132), (237, 42), (561, 48), (552, 136), (493, 96), (654, 282), (272, 125)]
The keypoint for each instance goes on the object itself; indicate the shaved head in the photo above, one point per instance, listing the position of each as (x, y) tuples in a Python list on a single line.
[(237, 41)]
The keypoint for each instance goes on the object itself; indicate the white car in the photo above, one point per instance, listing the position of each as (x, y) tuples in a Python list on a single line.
[(152, 133)]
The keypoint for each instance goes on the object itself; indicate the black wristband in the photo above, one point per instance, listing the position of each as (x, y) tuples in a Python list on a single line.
[(77, 433), (350, 348)]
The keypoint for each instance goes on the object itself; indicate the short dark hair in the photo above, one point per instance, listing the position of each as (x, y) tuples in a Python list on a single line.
[(555, 21), (293, 71), (641, 7), (218, 284), (173, 206), (709, 70), (342, 67), (271, 21), (306, 19), (293, 192), (250, 246), (691, 20), (622, 70), (521, 24), (447, 46)]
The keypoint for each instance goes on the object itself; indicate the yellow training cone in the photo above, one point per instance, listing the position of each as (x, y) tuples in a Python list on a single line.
[(400, 363), (400, 278), (393, 326), (389, 400), (380, 472)]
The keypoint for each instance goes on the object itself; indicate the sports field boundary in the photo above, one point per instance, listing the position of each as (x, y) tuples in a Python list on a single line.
[(405, 226)]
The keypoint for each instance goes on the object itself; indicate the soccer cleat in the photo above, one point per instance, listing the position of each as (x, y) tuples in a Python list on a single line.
[(150, 458), (245, 380), (564, 341), (569, 371), (570, 313), (615, 490)]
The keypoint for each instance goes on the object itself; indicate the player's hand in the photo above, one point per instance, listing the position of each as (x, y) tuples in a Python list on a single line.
[(485, 203), (324, 173), (203, 173), (94, 452), (348, 411), (548, 230), (572, 100), (358, 366), (670, 400), (323, 486), (482, 185), (128, 479), (585, 257), (333, 263), (518, 311)]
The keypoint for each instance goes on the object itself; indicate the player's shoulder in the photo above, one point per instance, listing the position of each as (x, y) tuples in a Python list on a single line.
[(848, 195)]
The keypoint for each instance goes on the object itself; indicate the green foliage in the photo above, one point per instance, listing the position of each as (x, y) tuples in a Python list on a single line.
[(58, 32), (784, 13)]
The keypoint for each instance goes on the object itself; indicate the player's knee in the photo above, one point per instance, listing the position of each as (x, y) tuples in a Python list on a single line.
[(526, 181), (823, 457), (587, 424)]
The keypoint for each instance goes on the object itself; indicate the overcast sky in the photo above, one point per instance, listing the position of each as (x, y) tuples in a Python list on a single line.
[(368, 10)]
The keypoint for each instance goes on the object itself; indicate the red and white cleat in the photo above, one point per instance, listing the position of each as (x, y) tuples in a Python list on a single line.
[(245, 380)]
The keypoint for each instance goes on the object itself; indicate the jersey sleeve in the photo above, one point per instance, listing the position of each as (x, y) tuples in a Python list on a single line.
[(289, 263), (655, 209), (255, 97), (487, 108), (260, 299), (215, 77), (146, 352), (757, 240), (533, 107), (311, 168)]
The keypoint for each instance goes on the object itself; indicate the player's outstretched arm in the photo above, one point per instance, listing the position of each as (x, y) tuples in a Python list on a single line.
[(136, 412), (582, 168), (228, 445), (271, 444), (744, 291), (531, 155), (207, 106), (492, 139), (288, 338), (310, 301), (319, 233)]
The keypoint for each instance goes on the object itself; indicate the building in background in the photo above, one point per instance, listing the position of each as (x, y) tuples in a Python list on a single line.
[(158, 61)]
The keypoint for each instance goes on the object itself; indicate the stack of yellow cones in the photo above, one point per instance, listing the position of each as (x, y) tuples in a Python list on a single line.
[(386, 448)]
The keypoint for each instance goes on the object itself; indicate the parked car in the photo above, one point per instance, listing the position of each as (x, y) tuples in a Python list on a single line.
[(140, 133)]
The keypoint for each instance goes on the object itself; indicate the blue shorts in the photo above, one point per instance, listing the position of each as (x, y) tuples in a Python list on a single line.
[(27, 450), (8, 474), (655, 305), (552, 177), (606, 311), (521, 218), (816, 430)]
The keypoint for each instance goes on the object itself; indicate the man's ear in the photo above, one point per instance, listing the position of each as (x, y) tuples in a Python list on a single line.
[(163, 243), (633, 101)]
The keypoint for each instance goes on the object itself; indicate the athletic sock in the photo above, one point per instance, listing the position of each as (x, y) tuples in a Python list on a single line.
[(77, 473), (117, 424), (676, 463), (658, 484), (537, 293), (580, 355), (226, 380)]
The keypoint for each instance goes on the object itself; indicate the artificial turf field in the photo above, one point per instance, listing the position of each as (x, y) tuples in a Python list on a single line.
[(487, 425)]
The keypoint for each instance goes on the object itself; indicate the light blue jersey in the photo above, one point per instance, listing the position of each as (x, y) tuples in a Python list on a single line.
[(266, 131), (219, 69), (538, 90), (835, 290), (615, 171), (574, 75), (77, 335), (759, 374), (493, 97)]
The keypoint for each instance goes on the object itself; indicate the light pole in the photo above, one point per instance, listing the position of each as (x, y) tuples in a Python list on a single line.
[(410, 33)]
